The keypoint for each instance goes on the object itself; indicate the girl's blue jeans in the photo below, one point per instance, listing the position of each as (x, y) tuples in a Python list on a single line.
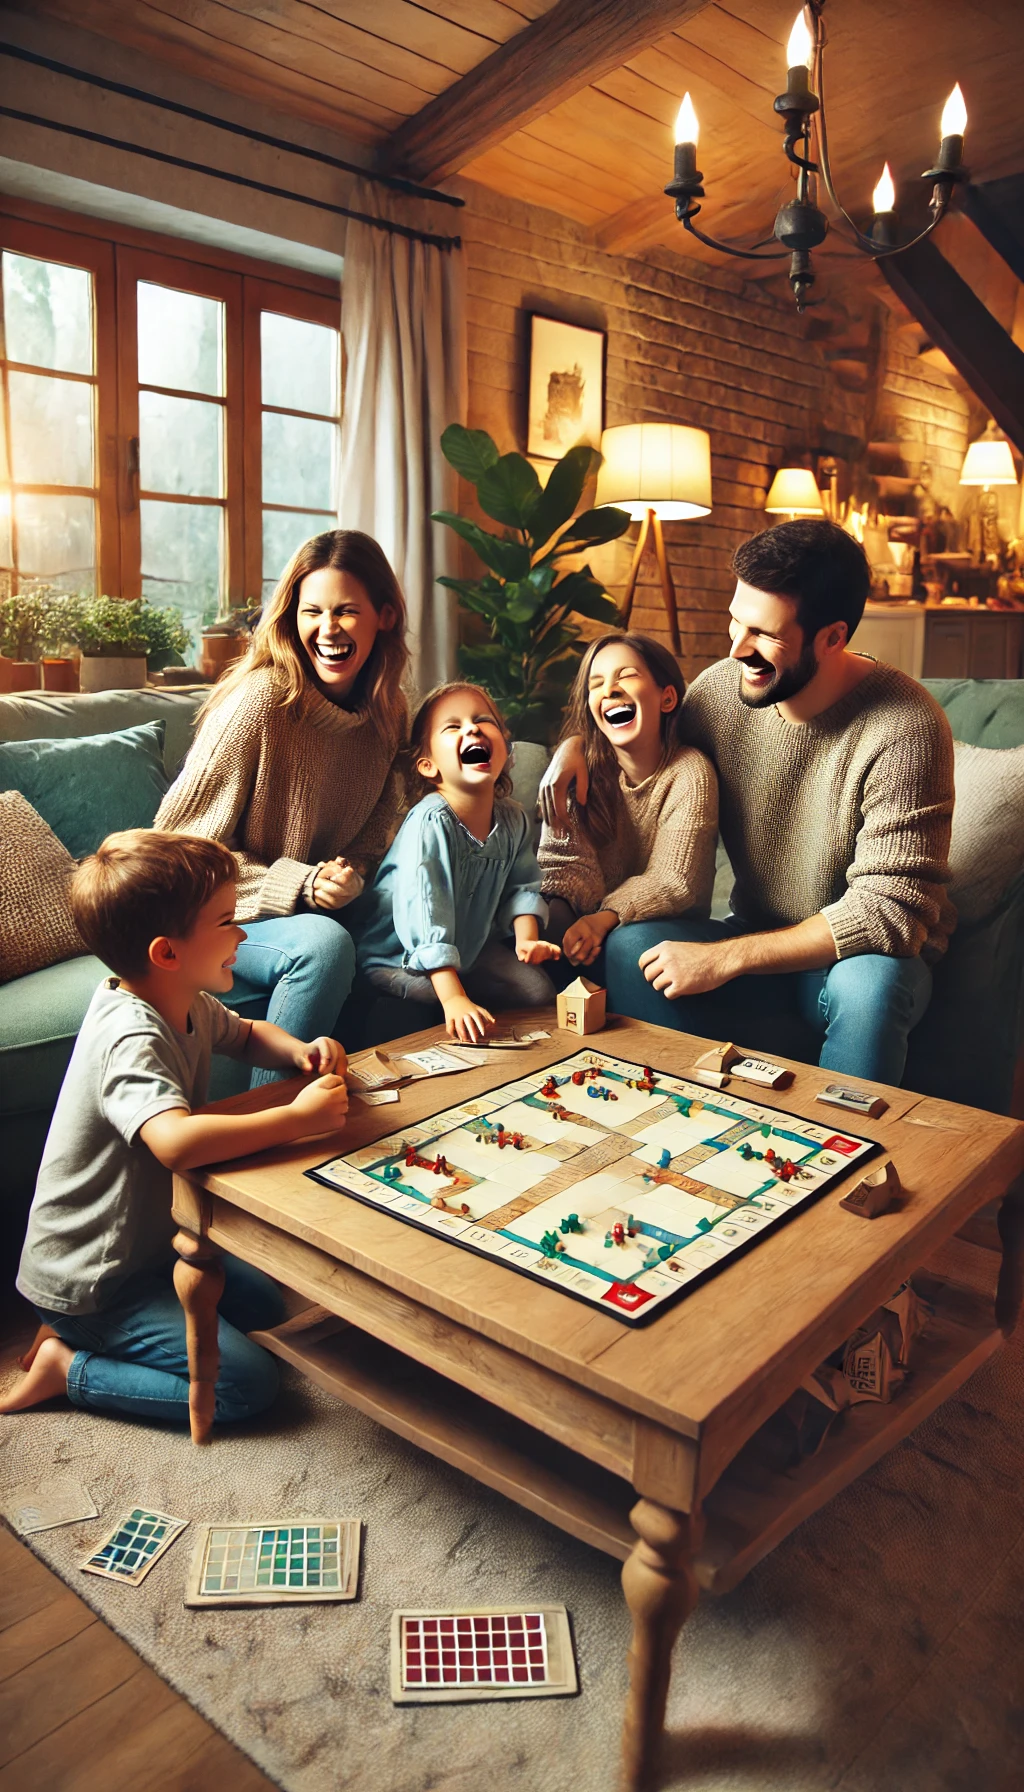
[(862, 1008), (307, 962), (132, 1356)]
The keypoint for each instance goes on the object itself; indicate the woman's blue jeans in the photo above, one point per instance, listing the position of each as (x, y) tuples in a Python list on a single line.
[(862, 1008), (307, 962), (132, 1357)]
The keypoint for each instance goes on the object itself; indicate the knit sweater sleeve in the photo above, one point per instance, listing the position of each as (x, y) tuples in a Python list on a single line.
[(896, 898), (680, 872), (210, 796), (569, 865)]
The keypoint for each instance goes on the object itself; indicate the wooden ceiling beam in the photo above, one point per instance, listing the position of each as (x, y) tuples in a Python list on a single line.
[(958, 323), (574, 44)]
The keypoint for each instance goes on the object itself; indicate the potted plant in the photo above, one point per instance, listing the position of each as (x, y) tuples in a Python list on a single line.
[(527, 596), (117, 636), (59, 611), (21, 632)]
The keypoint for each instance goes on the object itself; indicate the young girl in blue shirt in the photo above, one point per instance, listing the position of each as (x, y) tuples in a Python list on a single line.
[(455, 912)]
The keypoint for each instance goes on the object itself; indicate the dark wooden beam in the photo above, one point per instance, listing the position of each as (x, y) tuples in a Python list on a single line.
[(957, 322), (996, 208), (574, 44)]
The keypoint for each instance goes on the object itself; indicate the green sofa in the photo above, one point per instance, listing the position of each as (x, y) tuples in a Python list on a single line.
[(965, 1049)]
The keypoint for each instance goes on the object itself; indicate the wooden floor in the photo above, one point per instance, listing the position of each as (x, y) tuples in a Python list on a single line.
[(79, 1711)]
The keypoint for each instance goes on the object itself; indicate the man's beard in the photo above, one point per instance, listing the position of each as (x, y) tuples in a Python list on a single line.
[(784, 685)]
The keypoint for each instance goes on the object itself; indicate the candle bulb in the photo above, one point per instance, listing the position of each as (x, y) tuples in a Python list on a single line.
[(883, 199), (951, 130), (799, 56), (687, 132)]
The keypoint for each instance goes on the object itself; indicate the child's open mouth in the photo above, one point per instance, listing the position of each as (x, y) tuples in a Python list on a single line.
[(618, 714), (475, 752), (334, 653)]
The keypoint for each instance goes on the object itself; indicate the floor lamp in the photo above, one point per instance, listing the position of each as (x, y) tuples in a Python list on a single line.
[(660, 473)]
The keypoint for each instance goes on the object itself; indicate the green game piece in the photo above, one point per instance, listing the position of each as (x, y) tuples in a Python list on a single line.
[(766, 1132), (703, 1225)]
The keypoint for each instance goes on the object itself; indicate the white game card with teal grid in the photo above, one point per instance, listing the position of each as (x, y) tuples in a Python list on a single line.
[(131, 1548), (279, 1561)]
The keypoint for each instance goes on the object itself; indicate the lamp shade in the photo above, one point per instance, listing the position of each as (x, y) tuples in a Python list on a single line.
[(988, 461), (664, 467), (794, 491)]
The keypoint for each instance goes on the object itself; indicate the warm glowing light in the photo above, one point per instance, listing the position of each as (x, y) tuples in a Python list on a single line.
[(800, 48), (954, 115), (884, 196), (687, 128), (794, 492), (664, 467)]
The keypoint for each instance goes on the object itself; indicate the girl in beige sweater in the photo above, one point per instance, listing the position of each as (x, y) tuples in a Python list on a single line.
[(644, 846), (292, 768)]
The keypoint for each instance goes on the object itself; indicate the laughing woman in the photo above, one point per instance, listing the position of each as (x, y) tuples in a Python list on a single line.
[(644, 846), (292, 769)]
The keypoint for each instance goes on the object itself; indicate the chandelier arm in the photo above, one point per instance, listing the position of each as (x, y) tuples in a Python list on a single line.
[(822, 127), (727, 248)]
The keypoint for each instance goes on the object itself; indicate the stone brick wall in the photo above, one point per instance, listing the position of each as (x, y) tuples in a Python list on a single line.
[(686, 343)]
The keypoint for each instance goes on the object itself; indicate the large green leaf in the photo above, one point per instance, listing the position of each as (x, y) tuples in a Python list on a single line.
[(469, 451), (509, 491), (593, 528), (562, 493), (509, 559), (580, 592)]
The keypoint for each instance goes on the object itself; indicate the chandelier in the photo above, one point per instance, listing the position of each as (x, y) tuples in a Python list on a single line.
[(800, 225)]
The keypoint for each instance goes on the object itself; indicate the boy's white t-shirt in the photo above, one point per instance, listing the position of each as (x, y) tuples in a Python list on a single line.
[(102, 1206)]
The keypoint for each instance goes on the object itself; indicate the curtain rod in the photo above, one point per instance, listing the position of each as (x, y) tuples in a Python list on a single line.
[(225, 124), (237, 180)]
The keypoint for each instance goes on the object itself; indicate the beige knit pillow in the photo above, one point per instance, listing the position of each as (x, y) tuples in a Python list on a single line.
[(36, 928), (986, 852)]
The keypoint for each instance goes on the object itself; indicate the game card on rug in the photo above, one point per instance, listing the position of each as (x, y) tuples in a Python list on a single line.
[(272, 1563), (492, 1652), (129, 1551)]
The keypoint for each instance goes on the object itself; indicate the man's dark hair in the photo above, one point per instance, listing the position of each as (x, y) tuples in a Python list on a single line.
[(813, 562)]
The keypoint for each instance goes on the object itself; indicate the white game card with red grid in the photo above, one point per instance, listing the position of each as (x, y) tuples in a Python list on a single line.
[(495, 1653)]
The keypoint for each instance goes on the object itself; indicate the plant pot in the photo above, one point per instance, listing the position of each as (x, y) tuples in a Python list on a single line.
[(113, 672), (24, 675), (60, 675), (5, 674), (220, 650)]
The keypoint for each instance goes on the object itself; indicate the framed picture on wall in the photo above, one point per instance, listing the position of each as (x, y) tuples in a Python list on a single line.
[(566, 387)]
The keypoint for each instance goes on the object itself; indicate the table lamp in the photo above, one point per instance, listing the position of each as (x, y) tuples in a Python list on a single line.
[(988, 461), (794, 492), (660, 473)]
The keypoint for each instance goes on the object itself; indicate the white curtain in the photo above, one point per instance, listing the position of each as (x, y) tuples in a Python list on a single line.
[(403, 320)]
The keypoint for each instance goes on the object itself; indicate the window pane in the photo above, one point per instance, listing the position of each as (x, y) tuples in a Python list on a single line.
[(180, 445), (181, 339), (283, 532), (299, 461), (6, 557), (299, 364), (182, 558), (51, 430), (57, 539), (48, 313)]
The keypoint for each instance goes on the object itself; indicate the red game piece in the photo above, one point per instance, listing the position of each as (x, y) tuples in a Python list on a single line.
[(550, 1088), (410, 1157), (619, 1232), (577, 1077)]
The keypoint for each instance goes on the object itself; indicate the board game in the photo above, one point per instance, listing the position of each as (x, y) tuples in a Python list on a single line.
[(611, 1181)]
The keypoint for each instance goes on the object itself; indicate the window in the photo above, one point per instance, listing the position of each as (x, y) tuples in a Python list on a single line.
[(169, 428)]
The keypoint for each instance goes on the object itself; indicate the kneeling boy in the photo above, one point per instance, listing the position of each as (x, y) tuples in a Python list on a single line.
[(159, 909)]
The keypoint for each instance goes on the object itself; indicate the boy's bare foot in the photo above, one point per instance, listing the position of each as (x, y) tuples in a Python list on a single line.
[(47, 1377), (26, 1361)]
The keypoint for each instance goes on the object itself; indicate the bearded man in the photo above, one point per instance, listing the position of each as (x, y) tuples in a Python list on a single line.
[(836, 799)]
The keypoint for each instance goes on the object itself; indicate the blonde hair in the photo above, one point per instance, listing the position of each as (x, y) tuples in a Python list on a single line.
[(419, 738), (275, 640), (141, 884)]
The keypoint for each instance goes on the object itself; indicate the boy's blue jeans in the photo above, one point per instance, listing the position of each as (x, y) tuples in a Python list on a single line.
[(862, 1008), (307, 962), (132, 1356)]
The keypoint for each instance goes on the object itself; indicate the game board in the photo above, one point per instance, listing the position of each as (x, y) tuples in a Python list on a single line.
[(613, 1182)]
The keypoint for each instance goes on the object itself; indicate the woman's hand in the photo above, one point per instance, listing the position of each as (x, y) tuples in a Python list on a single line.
[(536, 951), (582, 942), (336, 883), (567, 765), (466, 1020)]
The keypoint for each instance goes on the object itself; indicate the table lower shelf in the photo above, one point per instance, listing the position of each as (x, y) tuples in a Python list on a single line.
[(750, 1510)]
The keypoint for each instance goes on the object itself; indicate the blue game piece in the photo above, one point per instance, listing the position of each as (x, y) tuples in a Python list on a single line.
[(665, 1159)]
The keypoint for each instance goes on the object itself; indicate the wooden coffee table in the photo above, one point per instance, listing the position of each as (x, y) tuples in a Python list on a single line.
[(641, 1442)]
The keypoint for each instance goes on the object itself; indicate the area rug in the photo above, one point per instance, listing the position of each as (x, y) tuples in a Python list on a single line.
[(879, 1648)]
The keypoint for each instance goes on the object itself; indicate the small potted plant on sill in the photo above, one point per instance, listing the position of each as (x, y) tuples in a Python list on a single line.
[(21, 633), (119, 636), (59, 660)]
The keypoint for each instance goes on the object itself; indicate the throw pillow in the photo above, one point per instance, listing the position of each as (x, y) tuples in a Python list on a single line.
[(86, 788), (987, 849), (36, 928)]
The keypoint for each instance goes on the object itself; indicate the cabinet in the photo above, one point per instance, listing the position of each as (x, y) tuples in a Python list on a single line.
[(974, 644)]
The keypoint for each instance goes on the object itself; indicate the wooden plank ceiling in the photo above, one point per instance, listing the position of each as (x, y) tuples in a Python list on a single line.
[(600, 150)]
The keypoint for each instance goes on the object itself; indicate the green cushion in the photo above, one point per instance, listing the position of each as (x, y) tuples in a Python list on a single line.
[(986, 712), (50, 715), (86, 788)]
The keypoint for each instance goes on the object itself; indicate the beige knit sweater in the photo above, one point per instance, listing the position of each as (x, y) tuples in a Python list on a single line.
[(847, 815), (285, 788), (662, 858)]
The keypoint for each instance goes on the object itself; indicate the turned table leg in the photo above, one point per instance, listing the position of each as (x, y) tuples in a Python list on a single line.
[(661, 1591), (199, 1284), (1010, 1292)]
